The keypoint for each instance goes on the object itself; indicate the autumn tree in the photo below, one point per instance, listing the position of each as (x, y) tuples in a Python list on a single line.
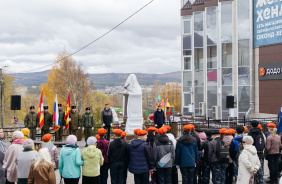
[(172, 93), (97, 101), (67, 76)]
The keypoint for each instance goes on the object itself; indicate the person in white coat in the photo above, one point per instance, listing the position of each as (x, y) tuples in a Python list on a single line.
[(249, 162)]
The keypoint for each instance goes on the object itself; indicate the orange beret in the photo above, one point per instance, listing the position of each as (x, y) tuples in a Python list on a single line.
[(157, 131), (222, 131), (151, 129), (245, 128), (162, 130), (187, 127), (229, 132), (136, 131), (123, 134), (167, 127), (97, 136), (102, 131), (233, 131), (117, 131), (272, 125), (47, 137), (142, 132), (259, 126), (192, 127)]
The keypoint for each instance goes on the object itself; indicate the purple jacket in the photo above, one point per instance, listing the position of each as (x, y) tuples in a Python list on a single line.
[(103, 145)]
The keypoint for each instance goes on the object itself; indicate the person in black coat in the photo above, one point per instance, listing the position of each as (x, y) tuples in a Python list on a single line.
[(159, 117), (206, 165)]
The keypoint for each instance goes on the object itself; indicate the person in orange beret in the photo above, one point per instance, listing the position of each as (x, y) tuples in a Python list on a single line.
[(141, 161), (123, 135), (187, 154), (53, 150), (103, 145), (118, 157), (151, 136)]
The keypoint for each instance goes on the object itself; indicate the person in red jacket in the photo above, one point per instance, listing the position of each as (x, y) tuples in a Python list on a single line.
[(103, 145)]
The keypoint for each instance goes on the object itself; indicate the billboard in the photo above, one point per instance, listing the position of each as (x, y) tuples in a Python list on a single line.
[(267, 22), (270, 71)]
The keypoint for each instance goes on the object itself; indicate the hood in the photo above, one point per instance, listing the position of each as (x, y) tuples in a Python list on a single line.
[(250, 148), (48, 145), (91, 151), (163, 139), (227, 139), (187, 139), (69, 150), (136, 143), (118, 142), (255, 131)]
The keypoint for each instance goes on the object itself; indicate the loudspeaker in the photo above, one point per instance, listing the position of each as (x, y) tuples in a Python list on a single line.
[(229, 102), (15, 102)]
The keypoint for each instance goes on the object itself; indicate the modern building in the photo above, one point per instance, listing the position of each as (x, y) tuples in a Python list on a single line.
[(226, 47)]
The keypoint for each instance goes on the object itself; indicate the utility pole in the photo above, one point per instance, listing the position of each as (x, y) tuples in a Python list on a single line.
[(2, 96)]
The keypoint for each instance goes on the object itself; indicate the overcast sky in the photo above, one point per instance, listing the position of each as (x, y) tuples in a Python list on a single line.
[(34, 32)]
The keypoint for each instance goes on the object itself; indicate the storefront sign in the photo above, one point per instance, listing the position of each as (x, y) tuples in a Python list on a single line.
[(270, 71), (267, 22)]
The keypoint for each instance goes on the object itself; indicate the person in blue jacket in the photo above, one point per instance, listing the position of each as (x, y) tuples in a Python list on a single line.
[(187, 155), (70, 161)]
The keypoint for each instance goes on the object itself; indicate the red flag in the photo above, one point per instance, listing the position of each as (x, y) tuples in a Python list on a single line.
[(67, 113), (41, 112)]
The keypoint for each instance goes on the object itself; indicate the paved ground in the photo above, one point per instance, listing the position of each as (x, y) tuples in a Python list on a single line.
[(130, 178)]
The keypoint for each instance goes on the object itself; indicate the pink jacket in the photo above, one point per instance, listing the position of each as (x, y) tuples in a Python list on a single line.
[(273, 145), (9, 162)]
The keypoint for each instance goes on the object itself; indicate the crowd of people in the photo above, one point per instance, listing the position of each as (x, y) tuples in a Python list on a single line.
[(217, 156)]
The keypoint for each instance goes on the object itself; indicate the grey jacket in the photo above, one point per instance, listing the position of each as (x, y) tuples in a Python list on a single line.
[(3, 150), (24, 161), (213, 150), (54, 153), (162, 147)]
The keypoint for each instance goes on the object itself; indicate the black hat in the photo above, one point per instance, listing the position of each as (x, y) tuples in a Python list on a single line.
[(45, 107), (32, 107), (198, 130), (240, 129), (87, 108), (73, 107), (59, 105)]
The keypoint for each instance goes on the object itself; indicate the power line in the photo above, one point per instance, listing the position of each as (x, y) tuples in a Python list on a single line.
[(93, 40)]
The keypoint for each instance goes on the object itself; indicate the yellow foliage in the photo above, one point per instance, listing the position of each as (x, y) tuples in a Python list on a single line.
[(172, 92)]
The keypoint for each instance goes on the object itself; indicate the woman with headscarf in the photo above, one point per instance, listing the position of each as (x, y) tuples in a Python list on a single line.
[(42, 170), (249, 162), (70, 161), (93, 160), (272, 149), (3, 150), (24, 161), (9, 163)]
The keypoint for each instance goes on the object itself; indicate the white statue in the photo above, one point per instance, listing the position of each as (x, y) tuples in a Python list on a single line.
[(134, 105)]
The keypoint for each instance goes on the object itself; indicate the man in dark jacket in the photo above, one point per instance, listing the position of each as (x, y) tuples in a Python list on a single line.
[(206, 164), (259, 143), (117, 157), (48, 122), (187, 155), (236, 148), (75, 121), (141, 162), (164, 156), (159, 117), (107, 119)]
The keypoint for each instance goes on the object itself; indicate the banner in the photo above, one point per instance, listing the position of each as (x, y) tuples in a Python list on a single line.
[(56, 118), (67, 113), (41, 112)]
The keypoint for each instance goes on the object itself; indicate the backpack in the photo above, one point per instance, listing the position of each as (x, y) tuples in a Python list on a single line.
[(240, 149), (259, 143), (222, 151)]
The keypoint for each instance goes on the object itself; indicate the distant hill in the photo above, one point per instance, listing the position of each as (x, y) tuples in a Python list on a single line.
[(101, 80)]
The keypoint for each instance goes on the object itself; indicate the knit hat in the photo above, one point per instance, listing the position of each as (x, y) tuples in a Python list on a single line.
[(157, 131), (248, 140), (222, 131), (271, 125), (91, 140), (71, 139), (202, 136), (117, 131), (97, 136), (151, 129), (136, 131), (245, 128), (142, 133), (167, 127), (47, 137), (18, 134), (102, 131), (162, 130), (25, 131), (123, 134), (240, 129), (28, 143)]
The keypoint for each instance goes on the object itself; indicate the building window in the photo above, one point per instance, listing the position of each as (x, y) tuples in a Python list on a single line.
[(187, 63), (187, 27)]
